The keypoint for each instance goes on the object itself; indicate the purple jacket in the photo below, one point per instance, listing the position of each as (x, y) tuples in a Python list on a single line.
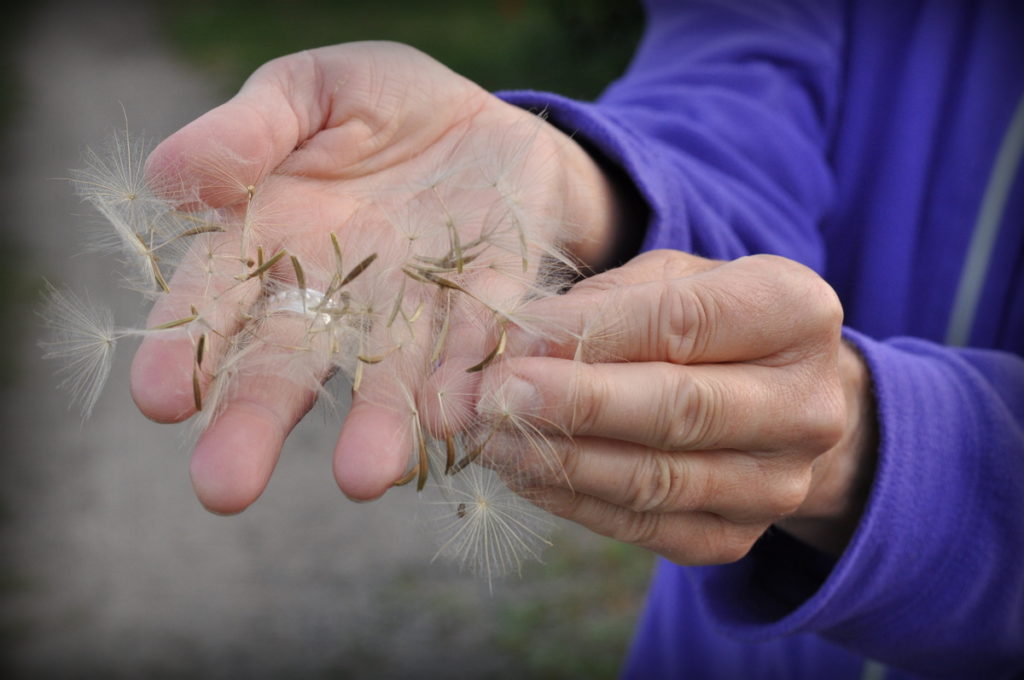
[(880, 143)]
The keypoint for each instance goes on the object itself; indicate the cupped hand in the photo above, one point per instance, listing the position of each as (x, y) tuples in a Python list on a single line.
[(304, 150), (713, 400)]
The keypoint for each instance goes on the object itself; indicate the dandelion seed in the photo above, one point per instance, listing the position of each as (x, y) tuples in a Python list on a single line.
[(200, 349), (197, 393), (260, 270), (408, 476), (83, 339), (492, 529), (115, 177), (498, 350), (177, 322), (467, 244), (358, 269)]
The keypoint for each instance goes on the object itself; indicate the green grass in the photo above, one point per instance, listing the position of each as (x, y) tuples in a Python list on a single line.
[(581, 628), (573, 47), (571, 616)]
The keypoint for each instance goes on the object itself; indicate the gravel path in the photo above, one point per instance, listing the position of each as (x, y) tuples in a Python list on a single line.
[(110, 567)]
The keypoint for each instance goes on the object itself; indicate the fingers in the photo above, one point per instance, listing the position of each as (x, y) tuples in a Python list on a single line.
[(216, 283), (754, 308), (163, 367), (385, 423), (336, 112), (427, 390), (653, 265), (741, 487), (684, 538), (373, 449), (262, 396), (219, 156), (673, 408)]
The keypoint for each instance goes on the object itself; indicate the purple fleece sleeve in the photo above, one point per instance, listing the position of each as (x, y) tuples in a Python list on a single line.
[(724, 122), (724, 145), (931, 581)]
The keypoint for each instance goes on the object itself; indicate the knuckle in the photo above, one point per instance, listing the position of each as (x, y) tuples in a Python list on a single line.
[(658, 484), (823, 416), (530, 464), (797, 286), (685, 416), (831, 425), (566, 455), (566, 506), (783, 272), (684, 322), (789, 491), (588, 409), (641, 529), (826, 312)]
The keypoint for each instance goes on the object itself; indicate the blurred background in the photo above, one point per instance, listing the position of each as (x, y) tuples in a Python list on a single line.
[(110, 568)]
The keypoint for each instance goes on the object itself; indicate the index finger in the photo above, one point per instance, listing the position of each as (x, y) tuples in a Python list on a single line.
[(745, 310)]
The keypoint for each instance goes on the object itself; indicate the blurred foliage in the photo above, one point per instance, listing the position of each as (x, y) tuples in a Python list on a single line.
[(12, 30), (18, 283), (573, 47), (582, 629), (570, 616)]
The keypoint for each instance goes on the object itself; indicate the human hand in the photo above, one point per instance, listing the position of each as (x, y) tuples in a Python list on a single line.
[(325, 135), (721, 401)]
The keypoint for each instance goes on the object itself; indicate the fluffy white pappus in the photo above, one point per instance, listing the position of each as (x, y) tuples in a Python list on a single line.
[(514, 435), (116, 175), (485, 527), (223, 177), (501, 160), (82, 338), (412, 291), (136, 250)]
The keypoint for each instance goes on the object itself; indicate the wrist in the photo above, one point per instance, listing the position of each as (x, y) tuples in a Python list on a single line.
[(604, 214)]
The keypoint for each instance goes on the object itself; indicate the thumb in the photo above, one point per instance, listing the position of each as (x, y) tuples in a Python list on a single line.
[(218, 157)]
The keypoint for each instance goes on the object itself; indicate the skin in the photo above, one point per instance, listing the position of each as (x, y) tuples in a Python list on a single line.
[(732, 403), (729, 403)]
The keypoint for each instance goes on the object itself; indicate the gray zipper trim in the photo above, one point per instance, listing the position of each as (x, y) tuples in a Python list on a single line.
[(986, 229)]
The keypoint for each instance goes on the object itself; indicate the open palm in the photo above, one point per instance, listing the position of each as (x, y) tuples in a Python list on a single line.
[(363, 181)]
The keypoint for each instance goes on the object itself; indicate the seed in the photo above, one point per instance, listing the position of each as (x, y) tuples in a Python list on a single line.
[(259, 271), (358, 269), (300, 276), (200, 349), (197, 394), (498, 350), (177, 322), (407, 477)]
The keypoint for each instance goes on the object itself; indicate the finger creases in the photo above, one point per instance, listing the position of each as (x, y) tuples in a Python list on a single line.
[(673, 408), (740, 487), (685, 538), (743, 310)]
